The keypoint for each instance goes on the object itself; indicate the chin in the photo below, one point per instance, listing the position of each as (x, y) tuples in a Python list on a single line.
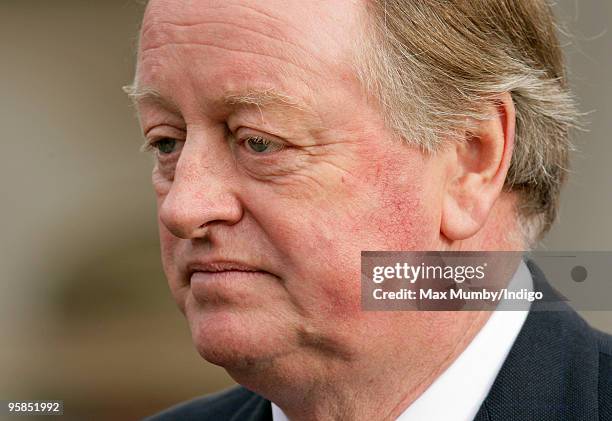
[(236, 338)]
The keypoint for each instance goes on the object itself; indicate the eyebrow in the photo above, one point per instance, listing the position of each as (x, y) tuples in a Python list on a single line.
[(139, 94), (250, 97)]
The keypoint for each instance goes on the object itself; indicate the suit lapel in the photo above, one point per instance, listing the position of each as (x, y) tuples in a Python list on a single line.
[(256, 408), (551, 372)]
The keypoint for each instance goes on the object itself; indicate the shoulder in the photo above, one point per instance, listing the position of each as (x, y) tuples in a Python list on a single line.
[(558, 368), (225, 405), (605, 343), (605, 374)]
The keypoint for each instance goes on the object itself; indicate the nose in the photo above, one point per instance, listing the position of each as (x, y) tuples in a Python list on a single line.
[(201, 194)]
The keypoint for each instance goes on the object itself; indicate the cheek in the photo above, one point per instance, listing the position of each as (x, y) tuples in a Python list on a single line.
[(169, 245), (384, 206), (394, 215), (343, 297), (161, 183), (399, 202), (405, 219)]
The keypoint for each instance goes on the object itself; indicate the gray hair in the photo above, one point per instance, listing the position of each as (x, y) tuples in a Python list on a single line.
[(433, 64)]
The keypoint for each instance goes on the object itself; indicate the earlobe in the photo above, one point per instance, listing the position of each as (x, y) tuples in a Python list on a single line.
[(478, 167)]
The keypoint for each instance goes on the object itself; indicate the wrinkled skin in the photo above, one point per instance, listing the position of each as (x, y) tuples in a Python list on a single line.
[(329, 181)]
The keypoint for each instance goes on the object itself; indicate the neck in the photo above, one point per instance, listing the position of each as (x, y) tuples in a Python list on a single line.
[(373, 384)]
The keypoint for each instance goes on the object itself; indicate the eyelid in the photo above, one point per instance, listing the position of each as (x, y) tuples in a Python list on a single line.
[(149, 144), (242, 134), (160, 132), (273, 147)]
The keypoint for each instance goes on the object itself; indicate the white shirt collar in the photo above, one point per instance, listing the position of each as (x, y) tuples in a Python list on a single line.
[(458, 393)]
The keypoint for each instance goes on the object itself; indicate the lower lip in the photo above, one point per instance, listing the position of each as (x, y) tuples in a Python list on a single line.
[(209, 285)]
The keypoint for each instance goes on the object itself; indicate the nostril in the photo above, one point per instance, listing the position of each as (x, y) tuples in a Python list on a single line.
[(188, 216)]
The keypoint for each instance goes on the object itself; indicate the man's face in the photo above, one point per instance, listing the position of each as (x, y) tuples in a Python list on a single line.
[(274, 172)]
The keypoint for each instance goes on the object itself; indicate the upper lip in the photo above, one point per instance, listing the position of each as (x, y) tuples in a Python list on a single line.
[(220, 266)]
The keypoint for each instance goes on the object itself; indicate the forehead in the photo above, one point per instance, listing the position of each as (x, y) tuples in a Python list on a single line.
[(228, 43), (315, 23)]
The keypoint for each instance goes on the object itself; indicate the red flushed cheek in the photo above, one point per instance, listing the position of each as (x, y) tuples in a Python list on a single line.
[(344, 300), (407, 205), (404, 222), (378, 211), (396, 216)]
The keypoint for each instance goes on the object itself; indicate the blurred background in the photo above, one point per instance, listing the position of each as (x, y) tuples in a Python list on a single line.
[(86, 315)]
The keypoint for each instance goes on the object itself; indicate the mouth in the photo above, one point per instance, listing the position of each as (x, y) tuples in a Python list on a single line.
[(221, 266), (212, 281)]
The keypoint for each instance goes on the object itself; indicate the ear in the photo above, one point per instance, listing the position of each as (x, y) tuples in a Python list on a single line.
[(477, 170)]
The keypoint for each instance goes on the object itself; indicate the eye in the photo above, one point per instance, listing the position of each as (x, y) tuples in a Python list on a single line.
[(164, 146), (261, 145)]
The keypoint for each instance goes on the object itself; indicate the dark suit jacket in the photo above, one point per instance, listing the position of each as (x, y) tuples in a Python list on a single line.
[(559, 368)]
